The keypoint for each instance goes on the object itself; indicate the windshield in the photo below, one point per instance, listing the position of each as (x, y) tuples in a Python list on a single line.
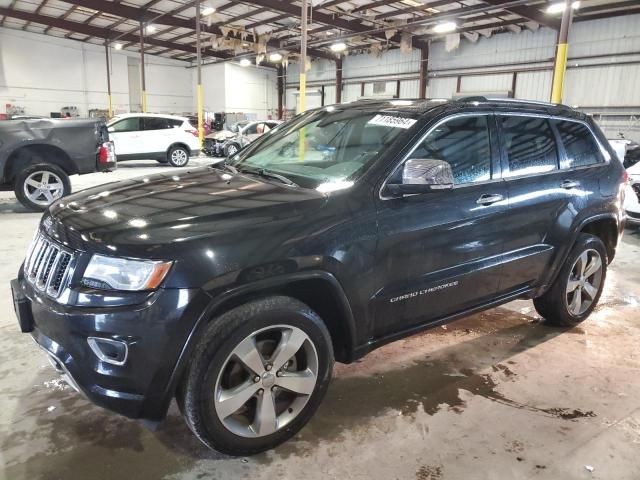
[(237, 126), (325, 149)]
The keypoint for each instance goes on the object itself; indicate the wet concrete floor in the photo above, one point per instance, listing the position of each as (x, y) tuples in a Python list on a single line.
[(499, 395)]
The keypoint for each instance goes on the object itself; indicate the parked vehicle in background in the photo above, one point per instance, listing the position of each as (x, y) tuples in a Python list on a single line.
[(234, 287), (632, 198), (149, 136), (229, 142), (206, 127), (38, 155)]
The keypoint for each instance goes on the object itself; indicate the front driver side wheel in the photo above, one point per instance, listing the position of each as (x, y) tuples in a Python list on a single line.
[(257, 376)]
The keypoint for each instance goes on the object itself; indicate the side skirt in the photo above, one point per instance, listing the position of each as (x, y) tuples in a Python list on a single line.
[(362, 350)]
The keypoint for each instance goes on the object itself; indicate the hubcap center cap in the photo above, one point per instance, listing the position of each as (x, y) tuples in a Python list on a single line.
[(268, 379)]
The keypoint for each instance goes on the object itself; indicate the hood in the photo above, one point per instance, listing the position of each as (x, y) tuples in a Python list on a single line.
[(140, 217), (221, 135)]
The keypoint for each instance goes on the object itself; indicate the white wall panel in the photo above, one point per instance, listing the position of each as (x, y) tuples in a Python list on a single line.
[(486, 83), (444, 87), (615, 85), (329, 94), (250, 90), (350, 92), (409, 88), (534, 85)]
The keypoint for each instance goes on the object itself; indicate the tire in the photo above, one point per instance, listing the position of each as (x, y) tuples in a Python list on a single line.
[(178, 156), (54, 184), (567, 307), (232, 149), (214, 369)]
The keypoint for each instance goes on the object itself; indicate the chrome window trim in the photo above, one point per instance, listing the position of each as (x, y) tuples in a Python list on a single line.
[(415, 146)]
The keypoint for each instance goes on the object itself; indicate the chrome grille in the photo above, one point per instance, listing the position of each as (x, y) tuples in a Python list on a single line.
[(47, 266)]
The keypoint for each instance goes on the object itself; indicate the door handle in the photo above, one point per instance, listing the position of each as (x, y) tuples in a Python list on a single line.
[(489, 198), (569, 184)]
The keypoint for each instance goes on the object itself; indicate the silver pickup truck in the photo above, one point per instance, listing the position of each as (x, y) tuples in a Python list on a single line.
[(38, 155)]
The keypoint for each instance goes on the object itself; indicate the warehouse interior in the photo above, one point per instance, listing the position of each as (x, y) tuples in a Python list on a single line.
[(499, 393)]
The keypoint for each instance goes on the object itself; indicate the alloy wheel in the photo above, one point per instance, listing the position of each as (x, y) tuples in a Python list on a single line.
[(179, 157), (232, 150), (266, 381), (43, 187), (584, 282)]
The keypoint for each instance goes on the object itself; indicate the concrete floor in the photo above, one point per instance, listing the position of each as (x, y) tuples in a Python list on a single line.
[(498, 395)]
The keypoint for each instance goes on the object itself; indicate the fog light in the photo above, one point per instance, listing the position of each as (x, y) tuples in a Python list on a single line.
[(110, 351)]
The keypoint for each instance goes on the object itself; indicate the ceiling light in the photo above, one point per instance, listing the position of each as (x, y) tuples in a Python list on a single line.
[(208, 11), (150, 28), (245, 62), (445, 27), (329, 33), (559, 7), (275, 57), (412, 3), (117, 46), (338, 47)]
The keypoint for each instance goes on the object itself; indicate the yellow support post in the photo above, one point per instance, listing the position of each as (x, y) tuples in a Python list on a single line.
[(561, 53), (200, 116), (144, 101), (558, 73)]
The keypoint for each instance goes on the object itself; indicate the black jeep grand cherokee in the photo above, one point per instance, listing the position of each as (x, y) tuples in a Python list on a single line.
[(234, 287)]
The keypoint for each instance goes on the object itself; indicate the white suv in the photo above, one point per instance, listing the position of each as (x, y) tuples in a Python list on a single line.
[(143, 136)]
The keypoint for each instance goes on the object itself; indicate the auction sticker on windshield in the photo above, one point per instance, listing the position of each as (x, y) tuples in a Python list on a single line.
[(390, 121)]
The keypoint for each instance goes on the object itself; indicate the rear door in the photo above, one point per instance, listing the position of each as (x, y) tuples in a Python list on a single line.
[(544, 198), (439, 253), (159, 133), (127, 136)]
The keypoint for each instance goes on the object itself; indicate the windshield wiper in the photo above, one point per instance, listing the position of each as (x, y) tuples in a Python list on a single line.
[(263, 172), (225, 166)]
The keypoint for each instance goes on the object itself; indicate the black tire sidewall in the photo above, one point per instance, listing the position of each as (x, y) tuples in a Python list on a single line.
[(205, 370), (556, 304), (170, 153), (20, 178)]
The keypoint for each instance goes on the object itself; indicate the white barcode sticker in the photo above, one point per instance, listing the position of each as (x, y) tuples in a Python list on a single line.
[(391, 121)]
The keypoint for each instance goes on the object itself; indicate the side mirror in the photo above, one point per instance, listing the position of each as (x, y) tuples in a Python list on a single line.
[(423, 175), (111, 129)]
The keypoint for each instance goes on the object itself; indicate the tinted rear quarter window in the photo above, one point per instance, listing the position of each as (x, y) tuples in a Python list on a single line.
[(159, 123), (530, 144), (580, 146)]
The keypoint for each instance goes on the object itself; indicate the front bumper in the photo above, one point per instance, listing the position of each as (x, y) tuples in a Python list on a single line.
[(155, 333)]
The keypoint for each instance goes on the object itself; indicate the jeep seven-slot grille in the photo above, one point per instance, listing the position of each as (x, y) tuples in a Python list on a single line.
[(47, 265)]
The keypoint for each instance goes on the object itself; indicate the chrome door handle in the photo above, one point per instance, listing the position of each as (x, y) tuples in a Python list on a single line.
[(488, 199), (569, 184)]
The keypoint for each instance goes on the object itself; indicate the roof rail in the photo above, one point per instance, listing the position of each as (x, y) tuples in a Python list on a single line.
[(480, 98)]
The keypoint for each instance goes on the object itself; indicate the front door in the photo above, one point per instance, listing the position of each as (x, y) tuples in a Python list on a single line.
[(440, 252), (126, 136)]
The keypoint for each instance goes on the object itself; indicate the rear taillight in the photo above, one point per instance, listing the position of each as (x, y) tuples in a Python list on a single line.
[(107, 153), (193, 132), (625, 177)]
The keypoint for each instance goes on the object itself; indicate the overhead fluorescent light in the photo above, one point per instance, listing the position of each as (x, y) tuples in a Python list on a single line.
[(329, 33), (338, 47), (245, 62), (117, 46), (275, 57), (412, 3), (150, 28), (559, 7), (445, 27), (208, 11)]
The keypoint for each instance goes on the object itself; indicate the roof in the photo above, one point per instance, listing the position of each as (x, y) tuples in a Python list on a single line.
[(169, 25), (153, 115)]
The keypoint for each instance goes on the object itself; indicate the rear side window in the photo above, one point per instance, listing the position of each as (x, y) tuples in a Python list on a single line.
[(579, 144), (159, 123), (129, 124), (463, 143), (530, 145)]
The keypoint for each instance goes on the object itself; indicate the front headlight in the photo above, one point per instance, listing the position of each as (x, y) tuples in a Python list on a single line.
[(124, 274)]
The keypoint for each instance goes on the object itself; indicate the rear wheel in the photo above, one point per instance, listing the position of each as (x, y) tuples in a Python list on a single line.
[(577, 289), (257, 376), (178, 156), (38, 186)]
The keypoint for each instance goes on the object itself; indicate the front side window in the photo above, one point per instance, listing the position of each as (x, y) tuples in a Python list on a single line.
[(579, 144), (129, 124), (463, 143), (326, 146), (530, 145)]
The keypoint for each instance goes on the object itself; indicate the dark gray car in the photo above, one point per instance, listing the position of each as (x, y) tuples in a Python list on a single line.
[(38, 155)]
